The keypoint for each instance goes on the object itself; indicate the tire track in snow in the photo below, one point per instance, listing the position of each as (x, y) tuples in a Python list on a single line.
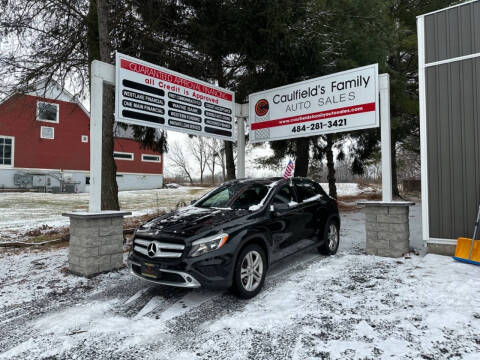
[(148, 299), (149, 306), (192, 321), (188, 303), (137, 295)]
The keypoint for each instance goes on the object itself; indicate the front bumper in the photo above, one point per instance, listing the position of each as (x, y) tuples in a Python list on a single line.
[(188, 280), (213, 271)]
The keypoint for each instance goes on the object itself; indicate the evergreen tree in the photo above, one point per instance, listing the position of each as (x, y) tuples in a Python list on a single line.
[(401, 62), (289, 41)]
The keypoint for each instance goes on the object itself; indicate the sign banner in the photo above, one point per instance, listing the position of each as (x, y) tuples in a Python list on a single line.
[(150, 95), (344, 101)]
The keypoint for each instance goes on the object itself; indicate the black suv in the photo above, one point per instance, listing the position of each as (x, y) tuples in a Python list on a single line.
[(229, 237)]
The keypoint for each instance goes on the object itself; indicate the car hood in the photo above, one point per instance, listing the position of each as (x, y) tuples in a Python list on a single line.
[(190, 221)]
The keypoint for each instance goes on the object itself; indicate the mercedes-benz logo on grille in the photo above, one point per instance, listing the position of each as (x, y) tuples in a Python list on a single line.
[(152, 249)]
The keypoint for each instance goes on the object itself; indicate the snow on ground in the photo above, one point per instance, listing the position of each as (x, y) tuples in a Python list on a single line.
[(349, 306), (24, 211), (349, 189)]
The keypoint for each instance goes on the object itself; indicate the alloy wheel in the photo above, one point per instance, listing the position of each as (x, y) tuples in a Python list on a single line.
[(251, 271), (332, 237)]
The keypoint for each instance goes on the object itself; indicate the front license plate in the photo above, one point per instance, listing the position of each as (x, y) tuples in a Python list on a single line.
[(149, 270)]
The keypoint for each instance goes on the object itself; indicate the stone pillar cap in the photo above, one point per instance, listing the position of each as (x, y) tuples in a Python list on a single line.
[(97, 214), (386, 203)]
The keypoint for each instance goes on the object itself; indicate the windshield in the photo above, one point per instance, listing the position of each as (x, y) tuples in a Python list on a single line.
[(234, 196)]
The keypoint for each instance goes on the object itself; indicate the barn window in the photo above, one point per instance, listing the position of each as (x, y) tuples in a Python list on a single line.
[(47, 132), (84, 138), (6, 151), (150, 158), (47, 112), (122, 155)]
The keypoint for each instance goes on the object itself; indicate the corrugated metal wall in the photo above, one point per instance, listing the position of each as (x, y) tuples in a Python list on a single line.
[(452, 33), (453, 120)]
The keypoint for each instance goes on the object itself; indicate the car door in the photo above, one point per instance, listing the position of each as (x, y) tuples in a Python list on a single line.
[(284, 226), (312, 203)]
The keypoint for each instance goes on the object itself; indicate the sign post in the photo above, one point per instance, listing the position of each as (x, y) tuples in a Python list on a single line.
[(101, 73), (149, 95), (241, 112), (386, 140)]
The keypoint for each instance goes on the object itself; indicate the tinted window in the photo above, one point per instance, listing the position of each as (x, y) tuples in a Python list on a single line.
[(218, 199), (305, 190), (283, 195), (251, 196), (235, 196)]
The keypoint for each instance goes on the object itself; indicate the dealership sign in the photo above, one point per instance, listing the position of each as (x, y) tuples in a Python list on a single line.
[(344, 101), (150, 95)]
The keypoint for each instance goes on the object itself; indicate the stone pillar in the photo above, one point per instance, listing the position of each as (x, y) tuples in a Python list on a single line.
[(96, 242), (387, 228)]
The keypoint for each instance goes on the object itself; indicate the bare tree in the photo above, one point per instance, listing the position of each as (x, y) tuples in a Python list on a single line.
[(179, 160), (408, 163), (221, 157), (200, 153), (46, 41), (214, 148)]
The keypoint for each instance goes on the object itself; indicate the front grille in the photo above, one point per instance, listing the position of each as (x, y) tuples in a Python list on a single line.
[(159, 249), (163, 237)]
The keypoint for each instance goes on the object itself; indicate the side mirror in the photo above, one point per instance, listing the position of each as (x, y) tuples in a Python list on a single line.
[(193, 201), (280, 208)]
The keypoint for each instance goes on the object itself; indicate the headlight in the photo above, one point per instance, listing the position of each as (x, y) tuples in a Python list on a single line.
[(205, 245)]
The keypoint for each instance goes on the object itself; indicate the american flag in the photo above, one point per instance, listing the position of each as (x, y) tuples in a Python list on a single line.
[(288, 170)]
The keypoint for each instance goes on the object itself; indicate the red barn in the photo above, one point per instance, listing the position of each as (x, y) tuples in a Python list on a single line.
[(44, 143)]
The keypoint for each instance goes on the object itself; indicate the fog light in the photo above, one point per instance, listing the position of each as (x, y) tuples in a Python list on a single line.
[(189, 279)]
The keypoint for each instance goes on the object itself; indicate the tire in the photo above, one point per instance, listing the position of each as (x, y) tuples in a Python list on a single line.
[(332, 238), (247, 282)]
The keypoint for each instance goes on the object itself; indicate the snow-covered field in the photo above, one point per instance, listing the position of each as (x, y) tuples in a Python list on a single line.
[(349, 306), (24, 211), (20, 212)]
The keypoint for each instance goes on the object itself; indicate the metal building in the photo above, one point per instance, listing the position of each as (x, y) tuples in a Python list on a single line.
[(449, 90)]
